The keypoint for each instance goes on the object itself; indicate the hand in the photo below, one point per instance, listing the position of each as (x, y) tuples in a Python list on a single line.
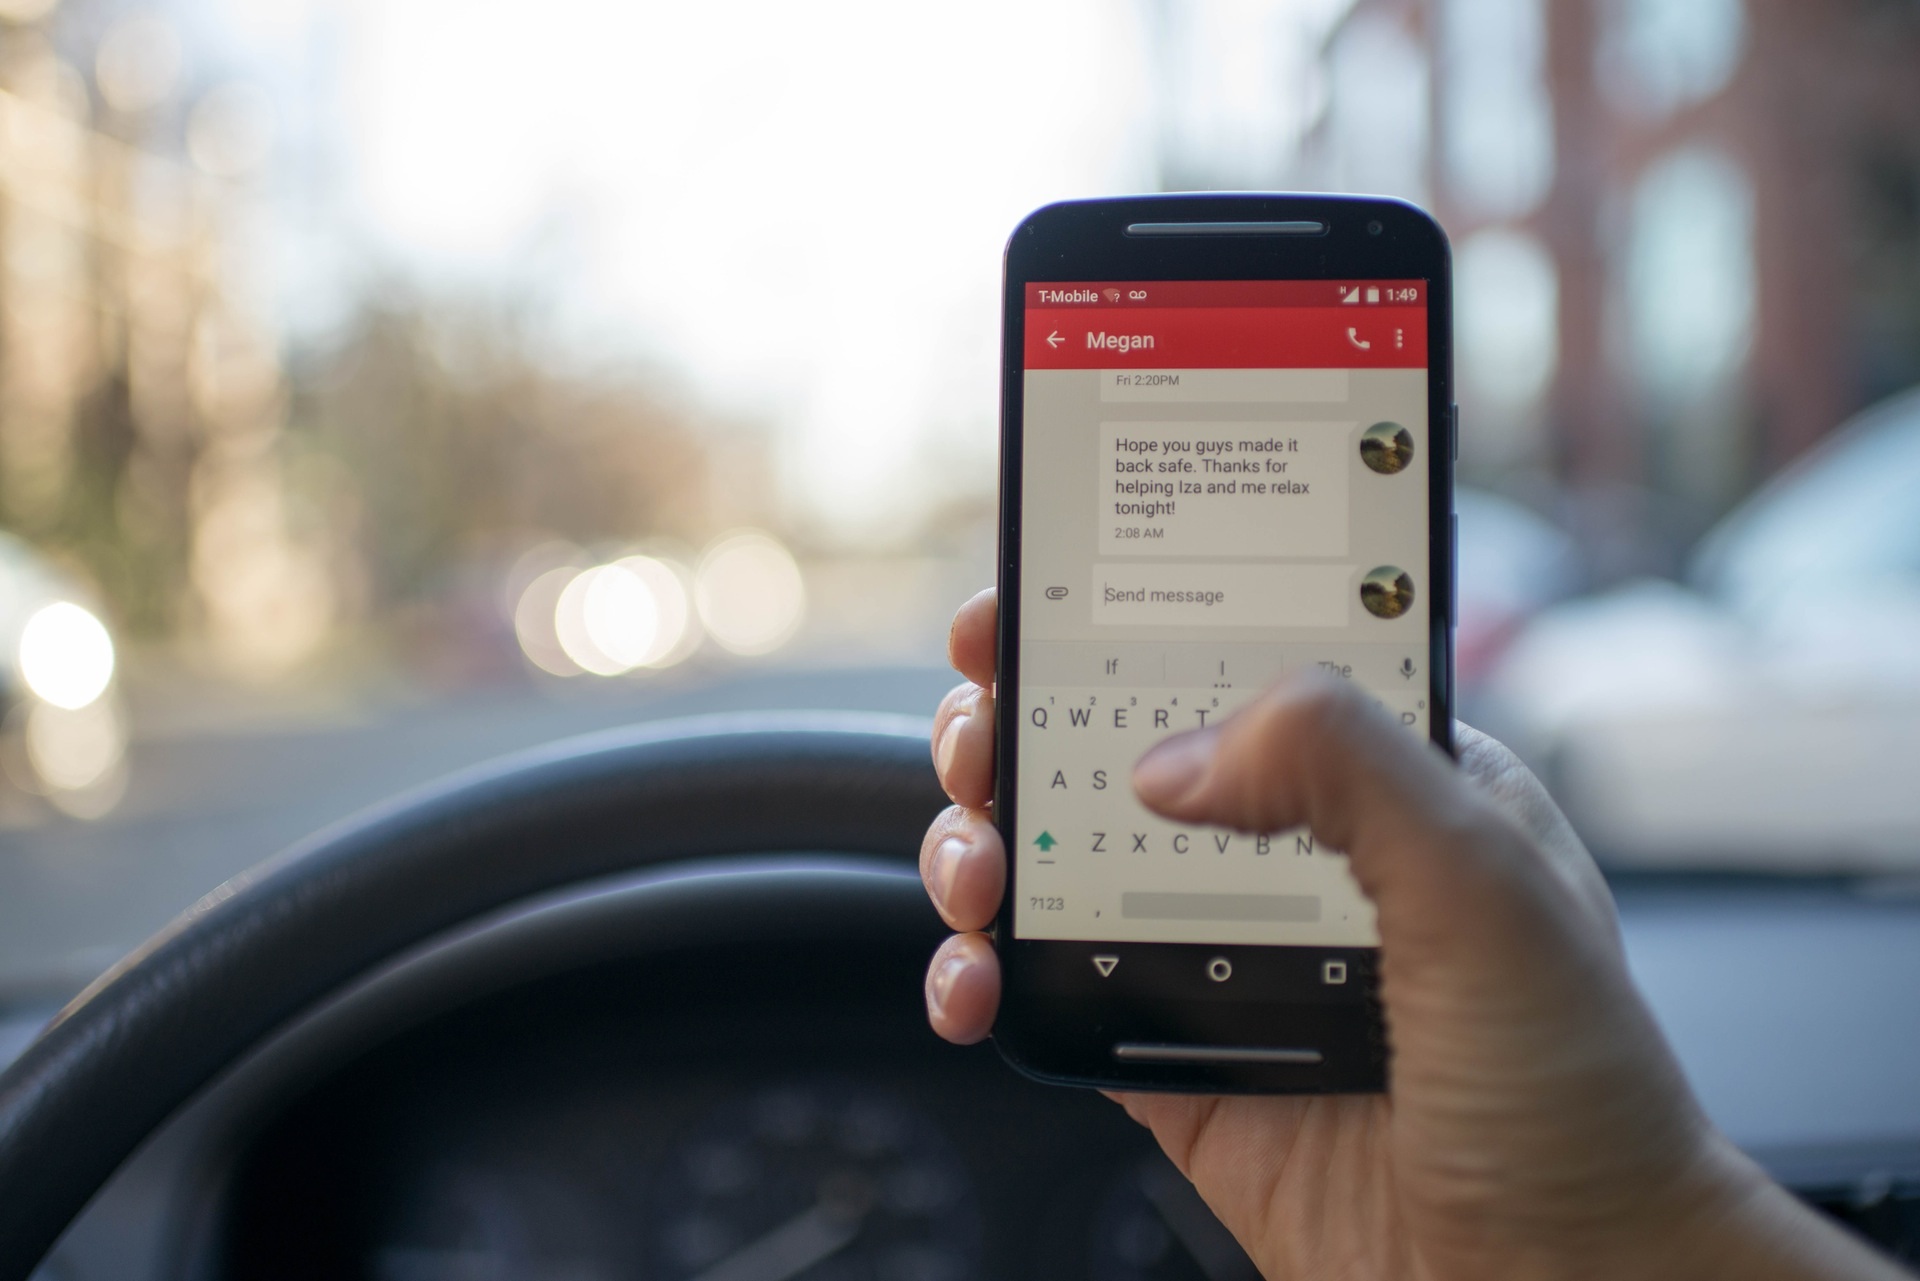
[(1538, 1125)]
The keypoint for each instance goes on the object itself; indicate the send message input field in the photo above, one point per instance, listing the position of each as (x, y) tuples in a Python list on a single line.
[(1190, 595)]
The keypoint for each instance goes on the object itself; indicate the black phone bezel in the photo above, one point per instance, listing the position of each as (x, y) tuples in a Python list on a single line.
[(1059, 1029)]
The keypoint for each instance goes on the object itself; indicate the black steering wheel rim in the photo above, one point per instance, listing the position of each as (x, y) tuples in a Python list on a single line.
[(260, 949)]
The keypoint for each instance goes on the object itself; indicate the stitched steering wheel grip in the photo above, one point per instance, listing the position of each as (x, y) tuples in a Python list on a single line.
[(148, 1034)]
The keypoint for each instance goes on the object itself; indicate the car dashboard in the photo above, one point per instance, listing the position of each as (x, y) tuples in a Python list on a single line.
[(731, 1114), (738, 1105)]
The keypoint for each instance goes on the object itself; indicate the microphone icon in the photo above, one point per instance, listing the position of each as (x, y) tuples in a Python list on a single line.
[(1407, 668)]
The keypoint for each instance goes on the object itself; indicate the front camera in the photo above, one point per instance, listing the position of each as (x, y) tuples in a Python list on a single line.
[(1374, 228)]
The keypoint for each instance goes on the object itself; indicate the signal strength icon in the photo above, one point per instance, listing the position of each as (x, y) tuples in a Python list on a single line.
[(1350, 295)]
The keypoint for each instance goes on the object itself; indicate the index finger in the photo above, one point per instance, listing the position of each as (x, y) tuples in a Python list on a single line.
[(970, 645)]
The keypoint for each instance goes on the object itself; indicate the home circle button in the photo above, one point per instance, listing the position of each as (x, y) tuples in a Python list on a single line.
[(1219, 969)]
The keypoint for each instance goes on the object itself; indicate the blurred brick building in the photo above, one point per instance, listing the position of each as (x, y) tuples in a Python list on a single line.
[(1687, 234)]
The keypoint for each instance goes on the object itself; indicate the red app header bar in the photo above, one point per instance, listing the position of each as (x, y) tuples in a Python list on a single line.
[(1228, 293), (1227, 324), (1340, 337)]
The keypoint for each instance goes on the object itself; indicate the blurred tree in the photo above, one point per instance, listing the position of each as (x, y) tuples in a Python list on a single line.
[(98, 294), (151, 437), (438, 434)]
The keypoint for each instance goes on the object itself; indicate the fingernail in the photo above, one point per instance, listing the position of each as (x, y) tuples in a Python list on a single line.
[(944, 868), (940, 983), (1172, 768), (949, 744)]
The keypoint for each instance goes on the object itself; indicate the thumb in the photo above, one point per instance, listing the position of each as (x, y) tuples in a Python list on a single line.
[(1526, 1071), (1424, 844)]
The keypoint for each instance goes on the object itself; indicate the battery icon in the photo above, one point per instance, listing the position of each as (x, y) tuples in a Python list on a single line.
[(1373, 295)]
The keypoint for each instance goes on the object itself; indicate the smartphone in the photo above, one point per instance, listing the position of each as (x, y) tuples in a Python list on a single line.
[(1227, 444)]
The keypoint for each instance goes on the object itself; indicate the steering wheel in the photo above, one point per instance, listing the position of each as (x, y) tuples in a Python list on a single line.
[(279, 941)]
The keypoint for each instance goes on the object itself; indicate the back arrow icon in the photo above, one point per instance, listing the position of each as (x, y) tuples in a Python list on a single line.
[(1054, 339)]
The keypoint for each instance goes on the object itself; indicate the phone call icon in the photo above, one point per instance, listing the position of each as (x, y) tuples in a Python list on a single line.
[(1353, 336)]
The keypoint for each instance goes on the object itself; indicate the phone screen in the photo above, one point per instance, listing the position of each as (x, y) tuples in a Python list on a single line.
[(1221, 481)]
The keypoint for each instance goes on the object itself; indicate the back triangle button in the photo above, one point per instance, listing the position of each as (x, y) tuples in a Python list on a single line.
[(1105, 965)]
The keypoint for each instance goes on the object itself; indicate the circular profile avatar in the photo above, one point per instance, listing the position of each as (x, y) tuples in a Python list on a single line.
[(1387, 592), (1386, 447)]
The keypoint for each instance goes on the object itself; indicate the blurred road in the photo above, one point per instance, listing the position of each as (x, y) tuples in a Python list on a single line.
[(204, 804)]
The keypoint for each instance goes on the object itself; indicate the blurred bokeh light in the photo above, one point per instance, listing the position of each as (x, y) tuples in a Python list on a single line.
[(75, 750), (138, 64), (66, 657), (230, 131), (750, 593)]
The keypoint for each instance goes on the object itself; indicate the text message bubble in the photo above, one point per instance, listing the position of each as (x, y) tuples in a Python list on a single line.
[(1224, 489), (1222, 595)]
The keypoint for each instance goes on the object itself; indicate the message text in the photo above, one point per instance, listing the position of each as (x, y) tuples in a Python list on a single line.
[(1224, 489)]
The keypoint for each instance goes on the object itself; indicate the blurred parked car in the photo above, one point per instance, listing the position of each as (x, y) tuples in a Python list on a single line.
[(63, 728), (1767, 713), (1513, 563)]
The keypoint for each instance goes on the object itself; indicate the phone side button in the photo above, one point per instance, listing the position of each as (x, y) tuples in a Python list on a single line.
[(1456, 432), (1154, 1052)]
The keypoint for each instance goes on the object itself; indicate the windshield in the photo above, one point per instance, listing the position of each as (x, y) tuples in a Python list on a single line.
[(385, 386)]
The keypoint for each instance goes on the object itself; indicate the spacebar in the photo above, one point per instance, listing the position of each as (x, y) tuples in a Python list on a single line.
[(1149, 1052)]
